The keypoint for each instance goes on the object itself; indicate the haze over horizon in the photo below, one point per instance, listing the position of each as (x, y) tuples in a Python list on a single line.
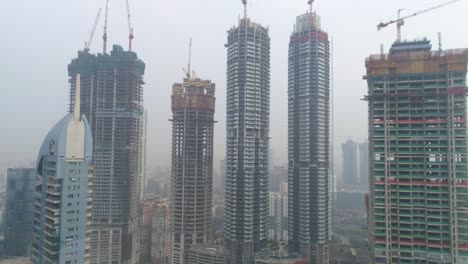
[(35, 80)]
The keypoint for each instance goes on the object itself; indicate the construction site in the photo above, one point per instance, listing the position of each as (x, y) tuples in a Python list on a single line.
[(193, 107), (418, 151)]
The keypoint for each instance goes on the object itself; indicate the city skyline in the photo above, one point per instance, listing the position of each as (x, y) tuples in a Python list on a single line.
[(406, 111), (156, 50)]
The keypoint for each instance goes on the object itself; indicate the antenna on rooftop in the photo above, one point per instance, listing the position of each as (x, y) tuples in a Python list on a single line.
[(244, 2), (188, 70), (104, 36)]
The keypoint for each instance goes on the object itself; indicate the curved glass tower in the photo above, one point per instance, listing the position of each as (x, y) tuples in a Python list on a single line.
[(62, 195)]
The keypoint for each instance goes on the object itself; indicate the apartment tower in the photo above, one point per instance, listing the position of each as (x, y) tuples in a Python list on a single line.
[(193, 107), (309, 140), (247, 140), (112, 101), (62, 203), (418, 149)]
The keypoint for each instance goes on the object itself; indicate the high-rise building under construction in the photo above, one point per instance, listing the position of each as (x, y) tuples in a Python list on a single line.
[(112, 101), (309, 140), (193, 107), (418, 150), (247, 146)]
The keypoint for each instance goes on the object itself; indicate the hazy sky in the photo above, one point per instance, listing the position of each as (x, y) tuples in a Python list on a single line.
[(39, 38)]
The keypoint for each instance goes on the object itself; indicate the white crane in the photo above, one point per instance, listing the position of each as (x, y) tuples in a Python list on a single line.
[(91, 35), (400, 21)]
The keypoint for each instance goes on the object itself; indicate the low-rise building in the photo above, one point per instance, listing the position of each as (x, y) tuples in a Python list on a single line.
[(206, 254)]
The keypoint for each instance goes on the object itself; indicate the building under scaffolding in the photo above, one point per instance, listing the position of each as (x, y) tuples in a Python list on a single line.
[(193, 107), (418, 154), (112, 101)]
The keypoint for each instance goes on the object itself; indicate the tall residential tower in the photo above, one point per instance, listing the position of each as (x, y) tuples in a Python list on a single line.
[(193, 107), (112, 101), (62, 205), (247, 146), (309, 140), (418, 149)]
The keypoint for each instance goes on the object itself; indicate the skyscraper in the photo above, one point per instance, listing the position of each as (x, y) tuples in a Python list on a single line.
[(350, 164), (247, 146), (112, 101), (418, 148), (309, 140), (364, 166), (19, 211), (62, 204), (193, 107)]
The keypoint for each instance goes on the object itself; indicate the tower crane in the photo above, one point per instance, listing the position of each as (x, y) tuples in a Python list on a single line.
[(187, 71), (91, 35), (400, 21), (104, 36), (130, 29)]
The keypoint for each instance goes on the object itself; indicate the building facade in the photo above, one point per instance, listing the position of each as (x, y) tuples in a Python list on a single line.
[(309, 140), (161, 234), (247, 146), (418, 149), (62, 204), (112, 101), (19, 211), (193, 107), (155, 241), (278, 217), (350, 177)]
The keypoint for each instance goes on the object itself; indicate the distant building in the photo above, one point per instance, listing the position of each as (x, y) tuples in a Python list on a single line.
[(283, 187), (277, 175), (206, 254), (418, 149), (350, 164), (248, 140), (193, 108), (278, 217), (19, 211), (364, 166), (155, 241), (309, 140), (62, 208)]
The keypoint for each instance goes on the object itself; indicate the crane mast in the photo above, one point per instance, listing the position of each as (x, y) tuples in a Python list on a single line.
[(88, 44), (400, 21), (104, 36), (130, 29)]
